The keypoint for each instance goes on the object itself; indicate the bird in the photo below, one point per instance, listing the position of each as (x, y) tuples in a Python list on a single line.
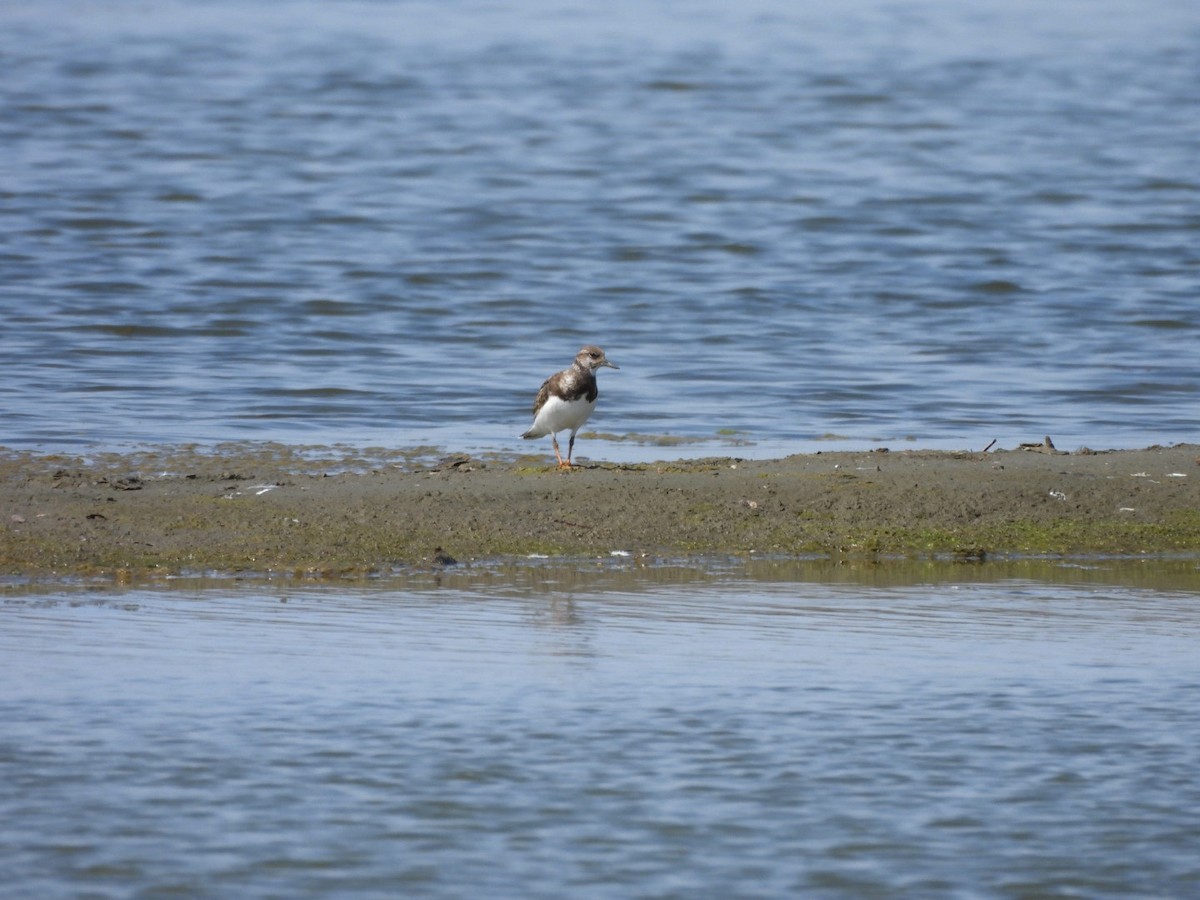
[(566, 400)]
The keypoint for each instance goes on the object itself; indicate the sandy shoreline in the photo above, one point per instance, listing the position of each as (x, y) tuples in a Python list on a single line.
[(271, 508)]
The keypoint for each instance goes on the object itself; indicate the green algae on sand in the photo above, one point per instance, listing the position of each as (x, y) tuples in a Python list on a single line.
[(273, 508)]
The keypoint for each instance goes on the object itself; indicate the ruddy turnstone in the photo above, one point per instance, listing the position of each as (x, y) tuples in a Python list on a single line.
[(567, 399)]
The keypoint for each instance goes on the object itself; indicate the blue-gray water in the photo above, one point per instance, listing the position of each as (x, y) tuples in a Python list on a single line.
[(384, 223), (664, 734)]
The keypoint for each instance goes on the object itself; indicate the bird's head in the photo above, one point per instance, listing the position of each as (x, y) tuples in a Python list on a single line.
[(591, 358)]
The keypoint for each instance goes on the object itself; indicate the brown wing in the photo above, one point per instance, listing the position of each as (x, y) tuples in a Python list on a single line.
[(542, 396)]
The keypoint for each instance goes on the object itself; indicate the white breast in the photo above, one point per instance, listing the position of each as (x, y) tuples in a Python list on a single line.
[(558, 415)]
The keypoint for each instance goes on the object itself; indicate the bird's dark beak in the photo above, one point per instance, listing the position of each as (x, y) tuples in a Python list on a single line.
[(609, 364)]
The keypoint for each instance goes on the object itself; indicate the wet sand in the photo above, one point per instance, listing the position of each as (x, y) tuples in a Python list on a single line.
[(269, 508)]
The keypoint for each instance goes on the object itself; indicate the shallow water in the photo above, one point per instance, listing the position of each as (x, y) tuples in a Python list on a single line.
[(604, 734), (385, 223)]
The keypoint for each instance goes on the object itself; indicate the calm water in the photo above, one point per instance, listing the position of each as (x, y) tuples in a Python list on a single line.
[(649, 735), (385, 223)]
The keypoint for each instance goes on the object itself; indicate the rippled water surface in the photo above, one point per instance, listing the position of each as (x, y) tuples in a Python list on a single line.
[(385, 223), (548, 736)]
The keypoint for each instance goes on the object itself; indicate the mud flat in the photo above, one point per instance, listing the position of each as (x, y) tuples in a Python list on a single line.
[(269, 508)]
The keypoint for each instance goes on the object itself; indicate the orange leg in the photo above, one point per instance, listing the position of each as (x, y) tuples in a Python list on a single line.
[(563, 463)]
